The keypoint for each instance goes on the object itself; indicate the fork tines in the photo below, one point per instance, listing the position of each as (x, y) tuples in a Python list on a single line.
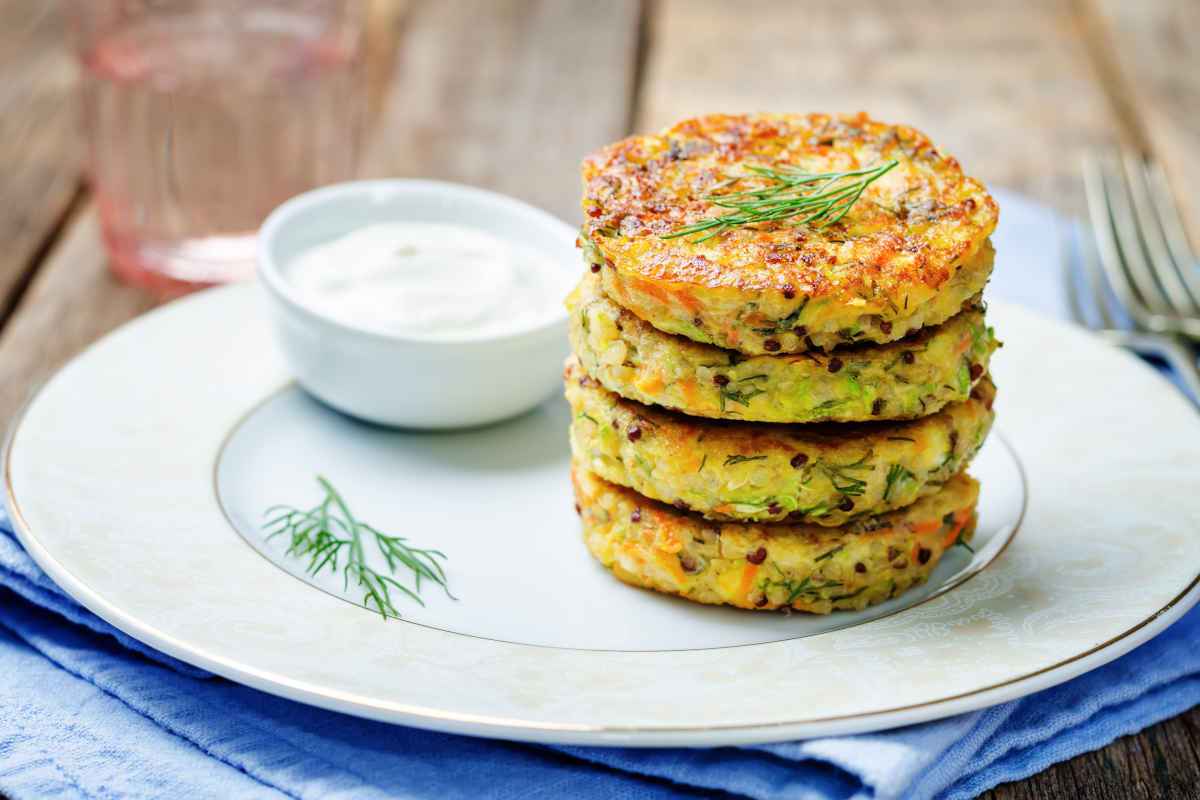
[(1141, 243)]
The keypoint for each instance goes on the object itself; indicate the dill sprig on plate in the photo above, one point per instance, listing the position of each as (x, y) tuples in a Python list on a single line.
[(330, 536), (807, 198)]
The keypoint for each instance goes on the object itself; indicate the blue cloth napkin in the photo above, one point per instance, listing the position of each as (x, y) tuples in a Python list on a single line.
[(86, 711)]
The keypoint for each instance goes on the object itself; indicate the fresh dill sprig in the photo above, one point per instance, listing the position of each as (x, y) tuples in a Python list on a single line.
[(896, 474), (736, 459), (797, 589), (830, 404), (842, 479), (830, 553), (740, 396), (849, 596), (786, 324), (330, 536), (820, 198)]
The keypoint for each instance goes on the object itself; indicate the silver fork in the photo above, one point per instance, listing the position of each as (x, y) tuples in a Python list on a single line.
[(1114, 277), (1142, 245)]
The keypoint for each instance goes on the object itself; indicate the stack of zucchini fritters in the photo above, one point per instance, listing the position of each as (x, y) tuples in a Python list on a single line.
[(777, 412)]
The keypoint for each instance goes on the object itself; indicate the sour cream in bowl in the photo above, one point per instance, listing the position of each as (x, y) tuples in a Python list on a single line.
[(429, 279), (419, 304)]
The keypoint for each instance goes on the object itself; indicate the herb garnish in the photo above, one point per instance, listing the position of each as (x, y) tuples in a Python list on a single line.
[(736, 459), (896, 473), (830, 553), (786, 324), (853, 594), (325, 532), (841, 479), (797, 589), (946, 461), (741, 396), (822, 198)]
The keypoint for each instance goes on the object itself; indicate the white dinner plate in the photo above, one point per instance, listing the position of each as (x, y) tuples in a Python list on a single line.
[(138, 477)]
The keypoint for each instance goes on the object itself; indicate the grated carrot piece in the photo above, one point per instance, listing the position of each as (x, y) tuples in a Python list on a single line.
[(747, 583), (646, 287), (652, 385), (671, 564), (928, 526), (690, 390), (960, 520), (687, 300)]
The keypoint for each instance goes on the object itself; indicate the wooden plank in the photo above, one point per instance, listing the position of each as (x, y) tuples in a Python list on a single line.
[(1156, 77), (503, 94), (1006, 87), (71, 301), (385, 20), (1158, 764), (509, 95), (39, 144)]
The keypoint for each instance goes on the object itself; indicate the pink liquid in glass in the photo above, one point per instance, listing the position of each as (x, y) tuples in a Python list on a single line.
[(201, 122)]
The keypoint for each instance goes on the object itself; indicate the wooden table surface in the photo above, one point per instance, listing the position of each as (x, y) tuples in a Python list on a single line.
[(510, 94)]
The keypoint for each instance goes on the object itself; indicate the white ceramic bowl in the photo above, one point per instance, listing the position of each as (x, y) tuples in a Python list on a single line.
[(410, 380)]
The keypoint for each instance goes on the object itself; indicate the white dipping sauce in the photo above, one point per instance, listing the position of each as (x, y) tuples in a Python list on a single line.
[(430, 279)]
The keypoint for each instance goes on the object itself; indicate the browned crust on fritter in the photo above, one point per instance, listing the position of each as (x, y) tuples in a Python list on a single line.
[(899, 244), (763, 567)]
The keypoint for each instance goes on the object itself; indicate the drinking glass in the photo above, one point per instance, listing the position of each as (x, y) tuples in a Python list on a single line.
[(203, 115)]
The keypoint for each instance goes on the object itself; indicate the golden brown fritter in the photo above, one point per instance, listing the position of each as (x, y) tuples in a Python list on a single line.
[(907, 254), (901, 380), (808, 568), (826, 475)]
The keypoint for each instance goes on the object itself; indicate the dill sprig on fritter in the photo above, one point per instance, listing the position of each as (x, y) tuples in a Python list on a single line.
[(841, 476), (330, 536), (820, 198), (897, 474), (807, 587), (738, 459)]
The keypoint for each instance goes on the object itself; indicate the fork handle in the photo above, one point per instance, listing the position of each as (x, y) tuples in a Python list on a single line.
[(1178, 357)]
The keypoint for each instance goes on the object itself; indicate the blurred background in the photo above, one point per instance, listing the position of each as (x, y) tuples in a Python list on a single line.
[(197, 131)]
